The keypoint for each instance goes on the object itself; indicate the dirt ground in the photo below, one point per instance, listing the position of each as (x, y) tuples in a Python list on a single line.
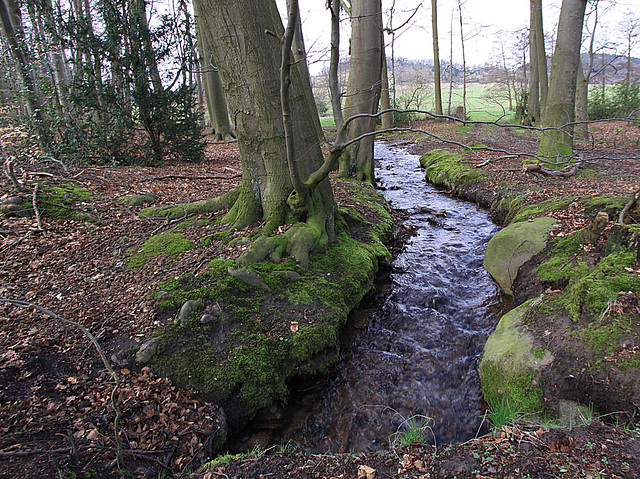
[(56, 416)]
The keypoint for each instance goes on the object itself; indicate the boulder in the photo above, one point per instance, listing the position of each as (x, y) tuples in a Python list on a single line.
[(514, 245), (510, 366)]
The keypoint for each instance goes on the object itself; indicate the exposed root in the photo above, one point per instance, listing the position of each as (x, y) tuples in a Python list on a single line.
[(174, 212)]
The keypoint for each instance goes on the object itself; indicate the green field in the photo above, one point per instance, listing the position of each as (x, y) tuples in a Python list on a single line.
[(484, 103)]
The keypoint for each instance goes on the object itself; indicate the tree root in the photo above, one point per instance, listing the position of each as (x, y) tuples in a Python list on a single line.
[(174, 212), (537, 168), (629, 206)]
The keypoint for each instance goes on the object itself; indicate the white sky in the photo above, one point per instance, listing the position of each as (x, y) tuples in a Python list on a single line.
[(486, 22)]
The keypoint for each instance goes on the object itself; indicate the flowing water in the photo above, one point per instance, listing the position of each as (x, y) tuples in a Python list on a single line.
[(415, 361)]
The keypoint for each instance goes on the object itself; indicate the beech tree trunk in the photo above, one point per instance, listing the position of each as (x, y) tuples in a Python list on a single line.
[(300, 58), (541, 54), (236, 30), (436, 57), (334, 63), (385, 97), (533, 104), (213, 91), (560, 109), (363, 87)]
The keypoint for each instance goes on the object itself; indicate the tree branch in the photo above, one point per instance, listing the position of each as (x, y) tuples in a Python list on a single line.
[(628, 206)]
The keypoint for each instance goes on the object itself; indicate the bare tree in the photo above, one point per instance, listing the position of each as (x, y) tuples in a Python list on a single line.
[(560, 109), (363, 87), (436, 57)]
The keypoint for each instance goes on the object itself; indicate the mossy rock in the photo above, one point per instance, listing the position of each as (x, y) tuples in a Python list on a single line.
[(445, 168), (66, 200), (514, 245), (511, 365), (138, 200)]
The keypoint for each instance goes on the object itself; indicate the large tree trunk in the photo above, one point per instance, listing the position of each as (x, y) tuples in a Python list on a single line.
[(363, 87), (560, 109), (236, 30), (213, 90), (436, 57), (300, 58), (334, 63)]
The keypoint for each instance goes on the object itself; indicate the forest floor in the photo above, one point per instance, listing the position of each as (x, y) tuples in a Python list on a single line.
[(56, 418)]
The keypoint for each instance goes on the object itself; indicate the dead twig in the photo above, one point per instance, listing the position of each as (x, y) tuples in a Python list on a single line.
[(103, 356), (11, 174), (169, 223), (505, 157), (182, 177), (37, 211), (628, 206)]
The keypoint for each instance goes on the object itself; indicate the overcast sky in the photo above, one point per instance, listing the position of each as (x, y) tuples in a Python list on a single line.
[(486, 24)]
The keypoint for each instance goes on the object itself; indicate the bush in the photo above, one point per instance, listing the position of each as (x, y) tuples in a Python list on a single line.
[(618, 102)]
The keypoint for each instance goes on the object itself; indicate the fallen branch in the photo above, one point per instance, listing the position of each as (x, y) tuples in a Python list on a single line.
[(103, 356), (181, 177), (485, 163), (35, 208), (563, 173), (33, 452), (169, 223), (11, 174), (628, 206)]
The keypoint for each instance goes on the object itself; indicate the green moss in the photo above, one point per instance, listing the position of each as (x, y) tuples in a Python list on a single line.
[(161, 244), (62, 199), (518, 212), (445, 168), (244, 358), (611, 204), (517, 390)]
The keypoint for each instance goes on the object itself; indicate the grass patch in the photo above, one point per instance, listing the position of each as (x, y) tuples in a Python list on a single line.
[(161, 244)]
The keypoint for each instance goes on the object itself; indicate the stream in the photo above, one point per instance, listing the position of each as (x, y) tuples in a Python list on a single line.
[(415, 359)]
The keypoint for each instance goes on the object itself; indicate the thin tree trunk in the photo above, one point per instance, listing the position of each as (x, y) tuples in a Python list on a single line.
[(24, 69), (541, 55), (507, 77), (436, 57), (334, 63), (450, 64), (560, 109), (582, 110), (385, 97), (464, 65), (533, 104), (214, 93)]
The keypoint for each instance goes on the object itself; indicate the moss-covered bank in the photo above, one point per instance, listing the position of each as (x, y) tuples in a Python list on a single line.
[(578, 325), (248, 336)]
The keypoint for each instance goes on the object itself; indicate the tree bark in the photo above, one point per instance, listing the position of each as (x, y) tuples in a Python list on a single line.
[(541, 55), (334, 63), (582, 107), (436, 57), (300, 58), (213, 90), (387, 119), (24, 69), (363, 87), (560, 109), (236, 30), (533, 105)]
